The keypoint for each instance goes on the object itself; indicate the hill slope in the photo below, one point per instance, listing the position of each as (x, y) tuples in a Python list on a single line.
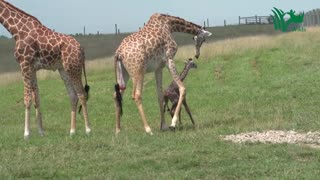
[(104, 45)]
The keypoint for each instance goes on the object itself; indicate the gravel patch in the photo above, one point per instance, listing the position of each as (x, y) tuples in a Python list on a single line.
[(311, 139)]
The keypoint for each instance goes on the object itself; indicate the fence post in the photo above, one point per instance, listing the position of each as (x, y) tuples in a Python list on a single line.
[(239, 20), (208, 22), (225, 23), (116, 28), (84, 30), (246, 20), (204, 24), (317, 17), (256, 19)]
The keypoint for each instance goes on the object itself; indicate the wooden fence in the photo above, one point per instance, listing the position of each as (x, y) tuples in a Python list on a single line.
[(255, 20), (312, 18)]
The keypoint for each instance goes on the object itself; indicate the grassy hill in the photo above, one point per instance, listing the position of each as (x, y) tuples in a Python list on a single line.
[(100, 46), (245, 84)]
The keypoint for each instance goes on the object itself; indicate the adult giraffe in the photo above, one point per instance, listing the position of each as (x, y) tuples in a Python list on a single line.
[(38, 47), (150, 50)]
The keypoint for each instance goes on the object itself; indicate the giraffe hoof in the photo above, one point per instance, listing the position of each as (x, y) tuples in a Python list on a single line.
[(150, 133), (88, 131), (172, 128), (41, 133), (148, 130), (72, 132), (26, 137), (117, 131), (164, 127)]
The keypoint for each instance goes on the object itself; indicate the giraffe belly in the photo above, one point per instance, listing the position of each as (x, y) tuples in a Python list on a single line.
[(154, 64), (42, 64)]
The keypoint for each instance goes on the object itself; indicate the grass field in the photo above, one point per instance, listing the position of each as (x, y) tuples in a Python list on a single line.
[(246, 84)]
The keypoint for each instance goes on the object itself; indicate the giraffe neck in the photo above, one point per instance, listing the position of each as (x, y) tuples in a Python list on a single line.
[(177, 24), (184, 72), (16, 21), (173, 24)]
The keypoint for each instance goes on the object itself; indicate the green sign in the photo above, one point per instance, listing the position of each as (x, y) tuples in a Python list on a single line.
[(294, 23)]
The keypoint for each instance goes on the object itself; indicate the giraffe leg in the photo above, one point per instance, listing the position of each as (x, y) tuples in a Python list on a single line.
[(158, 76), (188, 110), (27, 104), (182, 92), (138, 101), (117, 105), (77, 84), (73, 98), (36, 100), (27, 79), (173, 108), (118, 111), (180, 123)]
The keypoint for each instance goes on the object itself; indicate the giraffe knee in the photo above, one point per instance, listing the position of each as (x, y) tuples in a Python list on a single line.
[(182, 91), (137, 98), (74, 100), (27, 101)]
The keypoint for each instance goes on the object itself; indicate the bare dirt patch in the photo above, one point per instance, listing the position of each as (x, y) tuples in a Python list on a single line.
[(311, 139)]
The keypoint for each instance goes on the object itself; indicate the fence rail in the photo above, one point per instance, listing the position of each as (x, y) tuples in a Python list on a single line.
[(255, 20)]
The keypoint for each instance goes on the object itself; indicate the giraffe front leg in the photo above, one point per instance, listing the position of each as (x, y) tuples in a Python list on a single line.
[(27, 102), (158, 76), (188, 111), (176, 78)]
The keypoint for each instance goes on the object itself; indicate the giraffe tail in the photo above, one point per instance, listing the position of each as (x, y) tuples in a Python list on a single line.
[(118, 97), (86, 86), (120, 85)]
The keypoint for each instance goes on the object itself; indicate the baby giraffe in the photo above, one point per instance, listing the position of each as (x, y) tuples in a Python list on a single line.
[(172, 92)]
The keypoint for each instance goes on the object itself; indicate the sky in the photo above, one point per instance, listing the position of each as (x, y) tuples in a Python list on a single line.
[(70, 16)]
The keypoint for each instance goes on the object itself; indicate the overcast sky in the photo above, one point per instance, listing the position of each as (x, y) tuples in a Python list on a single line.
[(69, 16)]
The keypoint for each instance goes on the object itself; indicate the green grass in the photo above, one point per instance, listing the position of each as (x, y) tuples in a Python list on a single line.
[(275, 86)]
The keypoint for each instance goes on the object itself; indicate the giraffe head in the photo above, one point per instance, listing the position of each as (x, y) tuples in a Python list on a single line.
[(190, 64), (199, 39)]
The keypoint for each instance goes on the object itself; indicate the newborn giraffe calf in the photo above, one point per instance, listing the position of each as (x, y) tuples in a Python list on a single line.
[(172, 92)]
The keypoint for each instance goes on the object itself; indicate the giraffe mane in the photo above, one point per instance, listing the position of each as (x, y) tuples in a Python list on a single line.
[(175, 17), (12, 7)]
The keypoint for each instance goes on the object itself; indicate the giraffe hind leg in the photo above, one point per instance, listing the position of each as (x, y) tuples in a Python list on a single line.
[(79, 89), (36, 100), (117, 97), (73, 99), (138, 101)]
